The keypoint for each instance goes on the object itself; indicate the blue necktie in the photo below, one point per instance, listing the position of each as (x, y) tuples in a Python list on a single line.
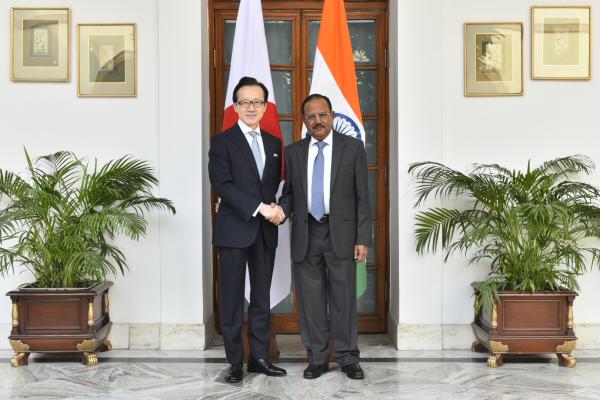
[(317, 198), (256, 153)]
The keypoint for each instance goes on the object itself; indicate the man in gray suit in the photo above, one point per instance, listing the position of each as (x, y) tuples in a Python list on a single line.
[(326, 199)]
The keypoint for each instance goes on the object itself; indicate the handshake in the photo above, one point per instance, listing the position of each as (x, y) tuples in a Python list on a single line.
[(272, 213)]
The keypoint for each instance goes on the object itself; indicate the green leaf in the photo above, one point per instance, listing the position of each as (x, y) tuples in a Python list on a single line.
[(59, 225), (532, 227)]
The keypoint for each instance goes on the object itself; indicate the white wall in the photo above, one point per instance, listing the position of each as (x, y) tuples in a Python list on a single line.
[(163, 124), (436, 122), (167, 124), (393, 167), (419, 136), (182, 103)]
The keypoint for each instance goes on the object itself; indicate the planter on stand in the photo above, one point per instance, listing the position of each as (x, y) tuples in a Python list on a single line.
[(60, 321), (525, 323)]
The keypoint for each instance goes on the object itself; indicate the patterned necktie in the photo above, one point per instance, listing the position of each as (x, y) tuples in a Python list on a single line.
[(317, 198), (256, 153)]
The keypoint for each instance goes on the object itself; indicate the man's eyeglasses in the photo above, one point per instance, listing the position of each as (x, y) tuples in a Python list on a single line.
[(255, 103), (313, 117)]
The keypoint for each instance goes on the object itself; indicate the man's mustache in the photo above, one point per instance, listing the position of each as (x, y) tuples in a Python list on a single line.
[(318, 126)]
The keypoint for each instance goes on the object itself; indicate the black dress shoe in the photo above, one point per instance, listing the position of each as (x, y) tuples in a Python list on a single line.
[(263, 366), (354, 371), (235, 373), (314, 371)]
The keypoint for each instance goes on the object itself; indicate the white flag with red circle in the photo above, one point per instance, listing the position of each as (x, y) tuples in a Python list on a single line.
[(251, 58)]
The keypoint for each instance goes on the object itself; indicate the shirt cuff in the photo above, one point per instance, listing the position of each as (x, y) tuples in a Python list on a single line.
[(256, 211)]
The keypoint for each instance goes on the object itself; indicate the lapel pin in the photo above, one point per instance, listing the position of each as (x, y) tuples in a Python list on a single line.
[(275, 155)]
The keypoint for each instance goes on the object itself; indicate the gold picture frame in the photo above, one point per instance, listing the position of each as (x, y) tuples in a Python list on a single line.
[(107, 60), (561, 42), (493, 59), (40, 44)]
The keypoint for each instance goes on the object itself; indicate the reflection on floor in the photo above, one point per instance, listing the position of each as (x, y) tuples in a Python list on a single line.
[(390, 374)]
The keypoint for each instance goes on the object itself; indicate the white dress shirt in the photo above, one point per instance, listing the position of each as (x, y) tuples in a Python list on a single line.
[(313, 149), (246, 131)]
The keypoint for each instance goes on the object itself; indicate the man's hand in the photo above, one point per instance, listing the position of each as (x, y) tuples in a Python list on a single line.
[(272, 213), (280, 216), (360, 252)]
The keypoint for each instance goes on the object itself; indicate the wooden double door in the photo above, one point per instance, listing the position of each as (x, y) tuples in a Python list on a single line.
[(292, 29)]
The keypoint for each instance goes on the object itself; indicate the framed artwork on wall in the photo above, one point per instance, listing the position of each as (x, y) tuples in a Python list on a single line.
[(40, 45), (493, 54), (561, 42), (106, 65)]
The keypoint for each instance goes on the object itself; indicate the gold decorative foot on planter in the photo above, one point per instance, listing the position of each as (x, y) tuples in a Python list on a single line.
[(105, 346), (19, 359), (89, 359), (477, 347), (566, 360), (495, 360)]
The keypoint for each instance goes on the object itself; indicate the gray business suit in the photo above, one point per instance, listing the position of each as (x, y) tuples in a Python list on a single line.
[(322, 254)]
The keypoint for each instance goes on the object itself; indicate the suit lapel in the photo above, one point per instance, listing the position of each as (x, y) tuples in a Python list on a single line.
[(269, 144), (242, 144), (304, 164), (336, 157)]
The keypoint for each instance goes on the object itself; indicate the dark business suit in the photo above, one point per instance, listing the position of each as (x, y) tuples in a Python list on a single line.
[(242, 238), (324, 268)]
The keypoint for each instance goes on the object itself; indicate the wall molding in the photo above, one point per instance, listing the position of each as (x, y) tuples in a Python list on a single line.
[(403, 336), (126, 336), (460, 336)]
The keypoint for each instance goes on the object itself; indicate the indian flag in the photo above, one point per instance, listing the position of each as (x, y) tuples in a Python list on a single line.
[(335, 77), (251, 58), (333, 73)]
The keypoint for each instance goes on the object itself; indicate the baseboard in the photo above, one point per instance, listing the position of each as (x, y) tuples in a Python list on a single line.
[(182, 337), (4, 334), (457, 336), (161, 336), (124, 336), (588, 336), (119, 336), (392, 330), (210, 331), (403, 336), (460, 336), (419, 337)]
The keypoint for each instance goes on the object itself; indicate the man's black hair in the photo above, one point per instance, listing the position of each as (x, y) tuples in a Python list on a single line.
[(248, 81), (315, 96)]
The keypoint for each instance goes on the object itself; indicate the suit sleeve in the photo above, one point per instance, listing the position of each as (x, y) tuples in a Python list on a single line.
[(219, 171), (363, 210), (286, 200)]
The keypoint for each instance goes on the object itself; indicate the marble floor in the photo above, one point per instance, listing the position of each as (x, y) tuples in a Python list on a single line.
[(390, 374)]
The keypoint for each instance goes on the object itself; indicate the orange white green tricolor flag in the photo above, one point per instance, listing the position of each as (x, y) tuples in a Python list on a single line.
[(250, 58), (334, 75)]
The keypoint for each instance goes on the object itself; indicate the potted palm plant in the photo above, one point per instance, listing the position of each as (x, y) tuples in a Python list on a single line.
[(59, 223), (537, 231)]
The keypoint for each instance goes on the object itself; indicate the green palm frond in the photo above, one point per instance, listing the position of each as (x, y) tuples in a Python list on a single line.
[(566, 166), (529, 226), (439, 180), (58, 222)]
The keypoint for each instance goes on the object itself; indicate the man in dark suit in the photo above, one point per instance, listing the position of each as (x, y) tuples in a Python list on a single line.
[(326, 199), (245, 171)]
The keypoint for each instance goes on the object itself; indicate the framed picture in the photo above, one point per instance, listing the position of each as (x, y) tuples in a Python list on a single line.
[(561, 42), (493, 58), (40, 42), (106, 65)]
